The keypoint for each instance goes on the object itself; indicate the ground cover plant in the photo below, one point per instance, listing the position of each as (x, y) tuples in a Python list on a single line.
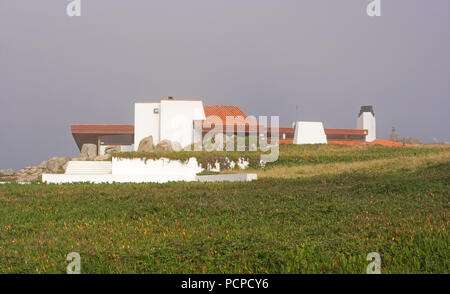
[(319, 209)]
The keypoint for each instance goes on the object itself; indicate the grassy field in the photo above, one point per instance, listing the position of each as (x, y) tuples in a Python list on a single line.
[(318, 209)]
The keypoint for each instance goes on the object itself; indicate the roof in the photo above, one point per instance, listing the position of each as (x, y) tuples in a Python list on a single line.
[(289, 130), (360, 132), (217, 115), (104, 129)]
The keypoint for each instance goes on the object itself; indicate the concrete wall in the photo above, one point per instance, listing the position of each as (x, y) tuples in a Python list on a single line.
[(146, 122), (160, 170), (177, 120), (136, 170), (367, 122), (309, 133)]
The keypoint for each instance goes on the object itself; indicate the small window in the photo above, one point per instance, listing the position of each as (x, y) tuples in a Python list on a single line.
[(155, 110)]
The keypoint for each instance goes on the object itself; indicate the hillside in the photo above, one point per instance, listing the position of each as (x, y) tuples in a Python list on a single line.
[(318, 209)]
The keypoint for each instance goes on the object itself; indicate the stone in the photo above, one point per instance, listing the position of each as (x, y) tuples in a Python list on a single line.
[(113, 149), (55, 165), (6, 172), (103, 157), (88, 151), (146, 145), (413, 141), (164, 145), (176, 146), (30, 174), (218, 144)]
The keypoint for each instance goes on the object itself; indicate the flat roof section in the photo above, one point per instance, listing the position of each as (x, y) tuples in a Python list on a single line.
[(104, 129)]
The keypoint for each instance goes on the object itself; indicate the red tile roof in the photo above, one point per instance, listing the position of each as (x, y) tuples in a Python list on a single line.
[(217, 115)]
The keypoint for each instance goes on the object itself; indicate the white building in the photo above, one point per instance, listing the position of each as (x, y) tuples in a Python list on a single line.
[(366, 121), (169, 119)]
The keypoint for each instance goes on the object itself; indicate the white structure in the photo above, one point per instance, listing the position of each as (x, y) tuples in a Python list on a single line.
[(122, 170), (170, 119), (137, 170), (366, 121), (309, 133)]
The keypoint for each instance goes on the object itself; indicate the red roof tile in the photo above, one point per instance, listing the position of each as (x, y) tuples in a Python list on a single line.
[(217, 115)]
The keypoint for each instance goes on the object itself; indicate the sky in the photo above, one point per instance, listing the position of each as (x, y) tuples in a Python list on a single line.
[(266, 56)]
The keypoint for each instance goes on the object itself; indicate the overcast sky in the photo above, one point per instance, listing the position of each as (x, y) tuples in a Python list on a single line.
[(266, 56)]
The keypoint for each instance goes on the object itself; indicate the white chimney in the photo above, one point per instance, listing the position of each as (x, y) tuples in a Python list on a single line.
[(366, 121)]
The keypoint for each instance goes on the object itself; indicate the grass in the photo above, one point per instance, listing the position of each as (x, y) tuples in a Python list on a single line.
[(295, 155), (321, 209)]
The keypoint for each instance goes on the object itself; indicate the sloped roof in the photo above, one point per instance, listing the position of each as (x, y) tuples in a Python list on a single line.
[(217, 115)]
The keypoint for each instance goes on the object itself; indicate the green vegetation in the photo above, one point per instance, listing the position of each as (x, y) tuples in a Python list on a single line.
[(319, 209), (294, 155)]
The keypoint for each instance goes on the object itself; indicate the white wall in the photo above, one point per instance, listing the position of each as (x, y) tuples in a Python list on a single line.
[(146, 122), (177, 120), (309, 133), (367, 122), (161, 169)]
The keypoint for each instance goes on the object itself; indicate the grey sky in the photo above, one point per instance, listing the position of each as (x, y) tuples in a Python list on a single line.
[(265, 56)]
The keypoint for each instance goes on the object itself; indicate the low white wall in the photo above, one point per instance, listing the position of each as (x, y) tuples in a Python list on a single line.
[(138, 170), (160, 169)]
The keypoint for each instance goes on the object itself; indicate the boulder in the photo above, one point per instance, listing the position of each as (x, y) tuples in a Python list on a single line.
[(146, 145), (230, 140), (176, 146), (103, 157), (164, 145), (55, 165), (6, 172), (413, 141), (88, 151), (218, 144), (30, 174), (112, 149)]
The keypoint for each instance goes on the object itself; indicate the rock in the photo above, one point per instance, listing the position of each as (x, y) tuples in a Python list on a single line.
[(146, 145), (164, 145), (55, 165), (218, 142), (230, 140), (6, 172), (88, 151), (30, 174), (413, 141), (176, 146), (113, 149), (102, 157)]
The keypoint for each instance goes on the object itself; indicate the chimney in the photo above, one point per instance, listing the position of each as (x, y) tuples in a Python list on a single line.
[(367, 108), (366, 121)]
